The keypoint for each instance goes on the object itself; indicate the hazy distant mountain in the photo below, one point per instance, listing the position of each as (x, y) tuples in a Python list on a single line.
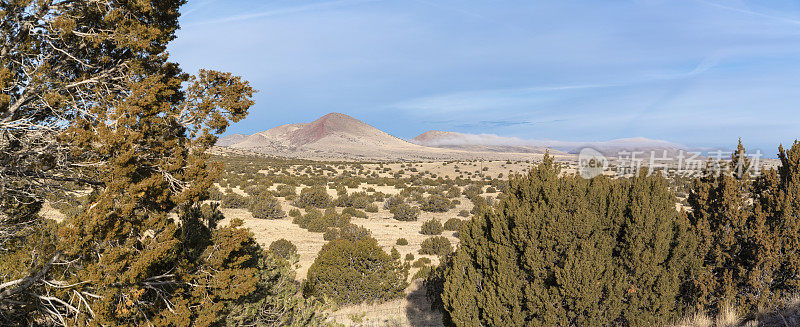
[(490, 142), (338, 136), (472, 142), (616, 147)]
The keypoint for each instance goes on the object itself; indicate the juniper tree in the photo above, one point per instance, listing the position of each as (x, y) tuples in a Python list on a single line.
[(88, 96), (748, 232), (354, 271), (720, 217), (568, 251)]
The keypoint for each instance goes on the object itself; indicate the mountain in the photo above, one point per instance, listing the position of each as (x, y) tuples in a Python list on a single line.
[(231, 139), (337, 136), (490, 142), (647, 146), (473, 142)]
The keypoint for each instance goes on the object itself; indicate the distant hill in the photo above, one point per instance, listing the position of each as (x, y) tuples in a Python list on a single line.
[(490, 142), (337, 136), (231, 139), (472, 142)]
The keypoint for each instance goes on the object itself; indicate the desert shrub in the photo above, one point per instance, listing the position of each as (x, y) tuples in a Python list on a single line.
[(354, 272), (432, 227), (435, 203), (453, 224), (283, 248), (303, 220), (563, 250), (453, 192), (255, 190), (422, 273), (294, 213), (391, 202), (463, 213), (313, 197), (284, 190), (275, 301), (409, 256), (234, 201), (318, 222), (438, 245), (371, 208), (405, 212), (421, 262), (215, 194), (472, 191), (360, 200), (265, 206), (349, 231), (330, 234), (353, 212), (402, 241)]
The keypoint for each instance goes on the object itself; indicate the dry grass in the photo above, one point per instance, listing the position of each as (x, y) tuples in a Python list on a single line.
[(786, 316), (413, 310)]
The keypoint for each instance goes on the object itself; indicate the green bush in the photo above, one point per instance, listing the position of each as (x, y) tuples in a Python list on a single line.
[(283, 248), (256, 190), (353, 212), (349, 231), (435, 203), (422, 273), (393, 201), (463, 213), (409, 256), (284, 190), (234, 201), (275, 301), (265, 206), (402, 241), (360, 200), (421, 262), (563, 250), (371, 208), (432, 227), (294, 213), (472, 191), (351, 272), (438, 245), (405, 212), (313, 197), (453, 224), (318, 222)]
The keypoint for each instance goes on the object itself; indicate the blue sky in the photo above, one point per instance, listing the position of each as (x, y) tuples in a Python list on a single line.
[(700, 73)]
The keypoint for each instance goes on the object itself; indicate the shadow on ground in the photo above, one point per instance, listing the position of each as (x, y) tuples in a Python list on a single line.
[(418, 308)]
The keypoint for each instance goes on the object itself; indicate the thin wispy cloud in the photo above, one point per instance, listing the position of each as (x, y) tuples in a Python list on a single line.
[(282, 11), (196, 7), (782, 19)]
